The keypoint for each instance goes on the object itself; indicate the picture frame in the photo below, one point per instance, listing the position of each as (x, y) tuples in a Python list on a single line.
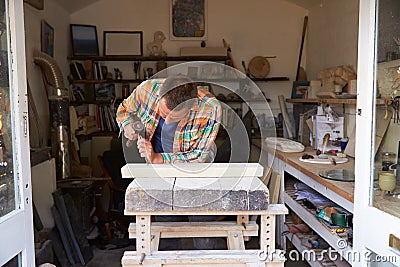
[(47, 38), (123, 43), (297, 87), (188, 20), (84, 40)]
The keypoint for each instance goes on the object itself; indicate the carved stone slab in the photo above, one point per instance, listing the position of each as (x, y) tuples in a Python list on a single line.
[(197, 194)]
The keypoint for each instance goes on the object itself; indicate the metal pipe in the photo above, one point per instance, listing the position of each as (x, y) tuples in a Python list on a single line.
[(59, 112)]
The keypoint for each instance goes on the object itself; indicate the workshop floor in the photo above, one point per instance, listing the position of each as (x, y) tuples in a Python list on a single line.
[(112, 258)]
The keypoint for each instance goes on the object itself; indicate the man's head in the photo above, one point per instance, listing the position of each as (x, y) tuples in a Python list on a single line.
[(176, 97)]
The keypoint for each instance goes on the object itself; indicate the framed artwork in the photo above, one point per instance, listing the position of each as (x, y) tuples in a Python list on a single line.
[(38, 4), (84, 40), (47, 39), (123, 43), (188, 20), (299, 89)]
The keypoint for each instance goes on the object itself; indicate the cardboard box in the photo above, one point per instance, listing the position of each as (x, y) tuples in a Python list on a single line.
[(334, 128), (352, 87)]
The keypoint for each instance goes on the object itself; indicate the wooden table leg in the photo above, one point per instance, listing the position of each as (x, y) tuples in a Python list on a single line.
[(143, 234), (267, 233), (155, 241), (243, 220), (235, 240)]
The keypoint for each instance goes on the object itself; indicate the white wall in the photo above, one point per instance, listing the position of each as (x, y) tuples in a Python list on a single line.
[(332, 40), (58, 18), (252, 28), (332, 35)]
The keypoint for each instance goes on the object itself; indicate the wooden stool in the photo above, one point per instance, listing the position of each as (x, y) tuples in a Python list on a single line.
[(176, 195)]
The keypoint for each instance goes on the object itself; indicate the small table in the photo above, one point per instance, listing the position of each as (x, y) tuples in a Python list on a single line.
[(182, 191)]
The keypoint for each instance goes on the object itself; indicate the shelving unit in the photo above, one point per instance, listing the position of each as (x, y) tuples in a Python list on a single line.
[(88, 86), (310, 219), (289, 166)]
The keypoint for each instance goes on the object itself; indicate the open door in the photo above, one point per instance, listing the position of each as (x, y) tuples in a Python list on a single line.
[(16, 222), (377, 194)]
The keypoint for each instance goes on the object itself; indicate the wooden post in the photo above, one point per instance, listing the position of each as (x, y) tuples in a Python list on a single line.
[(143, 237), (267, 233)]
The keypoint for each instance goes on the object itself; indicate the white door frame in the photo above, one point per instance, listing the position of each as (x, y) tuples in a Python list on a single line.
[(371, 225), (16, 228)]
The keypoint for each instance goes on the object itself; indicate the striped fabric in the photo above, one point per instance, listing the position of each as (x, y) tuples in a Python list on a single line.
[(194, 136)]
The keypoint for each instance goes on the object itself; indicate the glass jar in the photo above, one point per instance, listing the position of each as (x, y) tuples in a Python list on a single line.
[(388, 159)]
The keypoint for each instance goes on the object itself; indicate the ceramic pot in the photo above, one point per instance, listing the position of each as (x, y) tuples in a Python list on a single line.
[(387, 181)]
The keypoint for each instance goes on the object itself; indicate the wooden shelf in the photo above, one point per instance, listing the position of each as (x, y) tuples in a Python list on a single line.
[(99, 133), (270, 79), (323, 100), (243, 101), (195, 80), (108, 81), (351, 101), (141, 58), (98, 102)]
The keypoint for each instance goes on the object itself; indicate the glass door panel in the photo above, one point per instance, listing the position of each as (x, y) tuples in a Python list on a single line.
[(8, 189), (386, 190)]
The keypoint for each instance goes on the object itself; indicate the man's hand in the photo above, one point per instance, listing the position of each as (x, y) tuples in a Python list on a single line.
[(129, 132), (146, 151)]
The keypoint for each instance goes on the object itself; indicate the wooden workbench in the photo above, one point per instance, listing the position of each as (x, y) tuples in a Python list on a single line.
[(344, 189)]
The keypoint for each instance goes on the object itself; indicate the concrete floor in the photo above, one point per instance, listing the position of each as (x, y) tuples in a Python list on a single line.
[(112, 258)]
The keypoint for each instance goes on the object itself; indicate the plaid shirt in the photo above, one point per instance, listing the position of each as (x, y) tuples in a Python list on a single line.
[(194, 135)]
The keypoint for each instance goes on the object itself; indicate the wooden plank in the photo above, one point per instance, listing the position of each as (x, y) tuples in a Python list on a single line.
[(267, 176), (276, 209), (200, 258), (255, 264), (274, 187), (197, 229), (286, 119), (149, 194), (192, 170)]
